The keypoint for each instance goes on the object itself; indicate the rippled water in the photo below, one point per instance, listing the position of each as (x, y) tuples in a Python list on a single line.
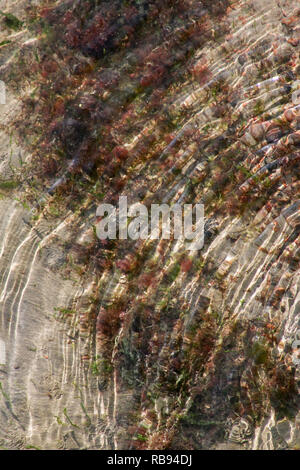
[(236, 111)]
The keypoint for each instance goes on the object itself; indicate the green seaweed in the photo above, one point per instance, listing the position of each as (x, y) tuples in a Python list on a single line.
[(69, 419), (12, 21)]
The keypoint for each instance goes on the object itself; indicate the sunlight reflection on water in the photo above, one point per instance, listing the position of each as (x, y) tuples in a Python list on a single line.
[(2, 352)]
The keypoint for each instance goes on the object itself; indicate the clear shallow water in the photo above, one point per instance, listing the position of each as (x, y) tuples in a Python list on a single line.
[(2, 352)]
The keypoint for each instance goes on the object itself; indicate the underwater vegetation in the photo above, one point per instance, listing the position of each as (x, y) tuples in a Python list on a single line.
[(168, 102)]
